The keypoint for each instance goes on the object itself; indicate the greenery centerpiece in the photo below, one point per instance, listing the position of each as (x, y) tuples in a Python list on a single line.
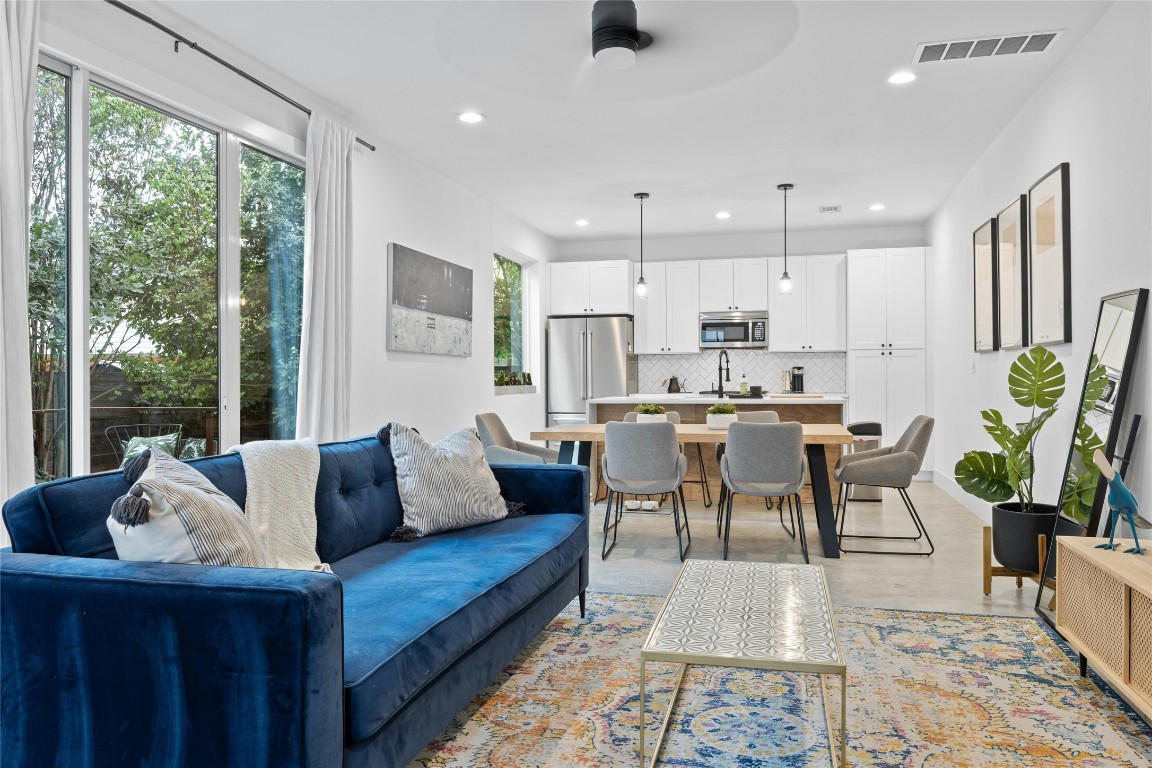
[(650, 412), (721, 415)]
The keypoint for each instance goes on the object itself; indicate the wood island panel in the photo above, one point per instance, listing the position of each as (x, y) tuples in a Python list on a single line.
[(696, 413)]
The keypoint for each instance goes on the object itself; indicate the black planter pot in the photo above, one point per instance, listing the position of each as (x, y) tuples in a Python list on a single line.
[(1014, 534)]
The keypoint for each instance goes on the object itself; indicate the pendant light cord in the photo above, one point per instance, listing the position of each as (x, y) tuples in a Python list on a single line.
[(785, 230), (641, 237)]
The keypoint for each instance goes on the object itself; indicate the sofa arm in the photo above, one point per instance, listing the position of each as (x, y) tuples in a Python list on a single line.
[(108, 663), (545, 488)]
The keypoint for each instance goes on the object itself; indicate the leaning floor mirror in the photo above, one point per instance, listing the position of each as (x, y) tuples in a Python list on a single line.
[(1100, 423)]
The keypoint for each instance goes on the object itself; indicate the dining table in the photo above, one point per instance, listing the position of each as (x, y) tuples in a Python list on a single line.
[(576, 441)]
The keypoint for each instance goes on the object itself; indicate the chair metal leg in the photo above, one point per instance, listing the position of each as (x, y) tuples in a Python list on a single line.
[(921, 531), (619, 499), (799, 524), (676, 504), (728, 523), (684, 507), (791, 517), (720, 508), (706, 491)]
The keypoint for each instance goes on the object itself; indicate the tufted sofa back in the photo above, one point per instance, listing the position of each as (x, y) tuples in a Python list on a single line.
[(357, 503)]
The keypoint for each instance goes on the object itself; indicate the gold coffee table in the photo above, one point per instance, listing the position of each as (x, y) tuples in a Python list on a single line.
[(753, 615)]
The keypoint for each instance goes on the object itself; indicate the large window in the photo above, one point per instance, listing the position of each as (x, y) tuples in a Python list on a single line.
[(48, 277), (181, 320), (508, 316)]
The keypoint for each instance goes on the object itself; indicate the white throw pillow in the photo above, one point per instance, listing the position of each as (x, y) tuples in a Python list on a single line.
[(443, 486), (173, 514)]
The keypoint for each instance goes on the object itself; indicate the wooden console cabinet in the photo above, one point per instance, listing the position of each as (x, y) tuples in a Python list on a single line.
[(1104, 611)]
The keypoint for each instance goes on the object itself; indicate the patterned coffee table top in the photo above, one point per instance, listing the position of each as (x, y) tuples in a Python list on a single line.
[(771, 615)]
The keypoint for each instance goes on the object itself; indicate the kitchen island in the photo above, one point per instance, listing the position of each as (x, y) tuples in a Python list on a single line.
[(826, 408)]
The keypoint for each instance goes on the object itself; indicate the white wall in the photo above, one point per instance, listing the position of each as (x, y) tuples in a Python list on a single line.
[(395, 199), (800, 243), (1094, 112)]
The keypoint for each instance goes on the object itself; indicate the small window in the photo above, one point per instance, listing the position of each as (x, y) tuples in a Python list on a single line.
[(508, 318)]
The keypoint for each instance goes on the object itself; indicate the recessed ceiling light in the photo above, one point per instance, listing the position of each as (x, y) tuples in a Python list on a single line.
[(723, 215), (470, 117), (581, 222), (876, 207), (900, 78)]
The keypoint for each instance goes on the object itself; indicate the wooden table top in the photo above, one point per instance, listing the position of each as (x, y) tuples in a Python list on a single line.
[(823, 434)]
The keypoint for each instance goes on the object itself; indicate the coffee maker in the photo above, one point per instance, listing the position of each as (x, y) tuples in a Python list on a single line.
[(797, 378)]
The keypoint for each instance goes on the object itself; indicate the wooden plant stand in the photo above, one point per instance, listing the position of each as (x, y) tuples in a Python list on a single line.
[(999, 570)]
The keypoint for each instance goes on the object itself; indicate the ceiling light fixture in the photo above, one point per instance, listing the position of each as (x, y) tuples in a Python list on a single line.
[(723, 215), (615, 38), (581, 222), (471, 117), (876, 207), (785, 280), (641, 284), (902, 78)]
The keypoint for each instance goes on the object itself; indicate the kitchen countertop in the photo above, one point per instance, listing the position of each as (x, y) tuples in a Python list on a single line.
[(828, 398)]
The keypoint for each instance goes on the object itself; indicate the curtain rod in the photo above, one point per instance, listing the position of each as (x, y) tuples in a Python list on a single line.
[(196, 47)]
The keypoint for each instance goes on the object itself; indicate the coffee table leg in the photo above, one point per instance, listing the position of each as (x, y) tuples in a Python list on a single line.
[(844, 719), (667, 720), (643, 713)]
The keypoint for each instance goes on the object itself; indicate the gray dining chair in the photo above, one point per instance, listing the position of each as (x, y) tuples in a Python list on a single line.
[(752, 417), (501, 448), (643, 459), (765, 460), (892, 466), (701, 479)]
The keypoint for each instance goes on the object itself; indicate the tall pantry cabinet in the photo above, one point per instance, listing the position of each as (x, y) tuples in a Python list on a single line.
[(886, 337)]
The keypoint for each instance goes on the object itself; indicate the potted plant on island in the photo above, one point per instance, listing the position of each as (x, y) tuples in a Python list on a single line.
[(650, 412), (1036, 381), (721, 415)]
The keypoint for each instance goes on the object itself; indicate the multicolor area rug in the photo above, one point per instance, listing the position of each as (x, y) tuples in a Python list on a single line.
[(925, 689)]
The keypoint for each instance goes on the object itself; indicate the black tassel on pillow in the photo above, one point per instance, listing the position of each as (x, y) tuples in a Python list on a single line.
[(385, 435), (405, 533), (136, 465), (515, 508), (132, 508)]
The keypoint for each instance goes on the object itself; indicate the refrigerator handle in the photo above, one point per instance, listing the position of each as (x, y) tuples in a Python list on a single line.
[(591, 357), (583, 365)]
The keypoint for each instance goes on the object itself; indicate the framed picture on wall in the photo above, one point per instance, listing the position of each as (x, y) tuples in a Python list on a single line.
[(429, 304), (1012, 275), (1050, 259), (984, 287)]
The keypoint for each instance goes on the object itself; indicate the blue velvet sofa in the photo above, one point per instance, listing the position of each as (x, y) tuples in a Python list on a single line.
[(111, 663)]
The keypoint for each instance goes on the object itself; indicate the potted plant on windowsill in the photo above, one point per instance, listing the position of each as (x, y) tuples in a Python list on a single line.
[(1036, 381), (650, 412), (721, 415)]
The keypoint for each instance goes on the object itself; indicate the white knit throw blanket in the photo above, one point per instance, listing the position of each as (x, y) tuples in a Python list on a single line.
[(281, 500)]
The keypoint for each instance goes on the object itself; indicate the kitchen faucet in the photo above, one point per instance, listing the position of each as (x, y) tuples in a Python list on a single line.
[(722, 369)]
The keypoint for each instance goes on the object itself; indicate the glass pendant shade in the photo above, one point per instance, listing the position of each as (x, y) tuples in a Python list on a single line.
[(641, 288), (785, 283)]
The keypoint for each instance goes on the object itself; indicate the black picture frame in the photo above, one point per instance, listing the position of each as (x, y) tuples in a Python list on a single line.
[(1050, 258), (985, 326), (1012, 274)]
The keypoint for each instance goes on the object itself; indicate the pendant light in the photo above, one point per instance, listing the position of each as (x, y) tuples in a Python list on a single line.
[(785, 280), (641, 284)]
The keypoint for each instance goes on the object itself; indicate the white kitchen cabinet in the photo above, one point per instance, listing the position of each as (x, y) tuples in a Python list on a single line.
[(590, 288), (812, 317), (886, 298), (887, 386), (733, 284), (667, 321)]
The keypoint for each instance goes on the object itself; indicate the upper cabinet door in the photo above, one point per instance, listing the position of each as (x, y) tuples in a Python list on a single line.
[(610, 287), (827, 290), (787, 312), (683, 284), (750, 285), (568, 288), (905, 298), (716, 285), (650, 327), (867, 300)]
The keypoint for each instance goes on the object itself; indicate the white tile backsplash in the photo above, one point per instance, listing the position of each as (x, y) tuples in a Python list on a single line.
[(824, 372)]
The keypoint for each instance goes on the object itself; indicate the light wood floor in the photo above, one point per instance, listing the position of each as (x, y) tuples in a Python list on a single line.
[(645, 559)]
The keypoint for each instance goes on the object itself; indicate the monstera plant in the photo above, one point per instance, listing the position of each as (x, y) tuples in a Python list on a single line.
[(1083, 475), (1036, 382)]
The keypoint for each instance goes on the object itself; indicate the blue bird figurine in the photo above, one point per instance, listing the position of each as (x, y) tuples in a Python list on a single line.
[(1122, 502)]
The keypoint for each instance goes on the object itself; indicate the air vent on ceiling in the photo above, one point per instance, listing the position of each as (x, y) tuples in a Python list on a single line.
[(829, 209), (976, 48)]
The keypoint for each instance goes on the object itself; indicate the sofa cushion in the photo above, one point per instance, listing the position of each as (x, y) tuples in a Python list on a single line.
[(411, 609), (443, 485), (357, 504)]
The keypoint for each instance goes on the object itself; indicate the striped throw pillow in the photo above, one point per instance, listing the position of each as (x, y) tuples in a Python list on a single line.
[(173, 514), (445, 485)]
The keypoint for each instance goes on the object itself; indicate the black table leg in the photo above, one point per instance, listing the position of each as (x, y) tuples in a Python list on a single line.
[(573, 452), (822, 495)]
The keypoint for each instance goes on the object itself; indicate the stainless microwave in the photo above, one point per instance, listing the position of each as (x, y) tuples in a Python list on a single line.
[(728, 330)]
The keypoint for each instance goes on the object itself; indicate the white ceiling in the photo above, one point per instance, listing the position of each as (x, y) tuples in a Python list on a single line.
[(731, 99)]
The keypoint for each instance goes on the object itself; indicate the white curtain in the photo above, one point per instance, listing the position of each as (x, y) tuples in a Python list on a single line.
[(19, 22), (322, 408)]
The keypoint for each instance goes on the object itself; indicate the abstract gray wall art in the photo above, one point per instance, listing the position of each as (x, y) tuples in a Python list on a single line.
[(429, 304)]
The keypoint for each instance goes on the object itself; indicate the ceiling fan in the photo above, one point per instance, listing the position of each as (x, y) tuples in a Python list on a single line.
[(615, 38)]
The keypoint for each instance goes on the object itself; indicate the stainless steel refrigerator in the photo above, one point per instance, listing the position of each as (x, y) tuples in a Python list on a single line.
[(587, 357)]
